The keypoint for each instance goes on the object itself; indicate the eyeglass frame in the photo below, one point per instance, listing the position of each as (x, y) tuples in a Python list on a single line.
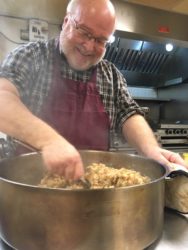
[(87, 36)]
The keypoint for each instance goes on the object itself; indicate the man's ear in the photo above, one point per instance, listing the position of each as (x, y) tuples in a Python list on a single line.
[(65, 20)]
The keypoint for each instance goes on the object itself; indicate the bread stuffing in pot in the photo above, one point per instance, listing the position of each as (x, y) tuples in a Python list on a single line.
[(99, 176)]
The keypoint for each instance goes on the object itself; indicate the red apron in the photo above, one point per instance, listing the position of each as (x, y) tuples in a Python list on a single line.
[(76, 111)]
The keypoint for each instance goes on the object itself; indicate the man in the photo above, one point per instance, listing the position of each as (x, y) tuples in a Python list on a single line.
[(60, 96)]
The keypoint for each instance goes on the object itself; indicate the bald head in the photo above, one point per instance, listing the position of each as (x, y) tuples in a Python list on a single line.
[(102, 10), (86, 29), (74, 4)]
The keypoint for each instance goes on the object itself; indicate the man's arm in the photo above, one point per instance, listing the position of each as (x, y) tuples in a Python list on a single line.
[(138, 133), (17, 121)]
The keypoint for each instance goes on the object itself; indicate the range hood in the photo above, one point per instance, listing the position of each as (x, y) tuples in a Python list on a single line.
[(139, 49)]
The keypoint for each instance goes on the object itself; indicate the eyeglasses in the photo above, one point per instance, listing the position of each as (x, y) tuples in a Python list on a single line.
[(87, 36)]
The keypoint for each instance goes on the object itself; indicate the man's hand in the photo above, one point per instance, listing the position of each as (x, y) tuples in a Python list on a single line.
[(59, 155), (165, 157), (138, 133), (62, 158)]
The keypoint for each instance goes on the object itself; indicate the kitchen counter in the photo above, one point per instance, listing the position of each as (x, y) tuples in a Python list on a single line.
[(175, 234)]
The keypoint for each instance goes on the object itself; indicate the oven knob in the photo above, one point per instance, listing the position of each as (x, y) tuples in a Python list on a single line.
[(184, 131), (116, 143), (177, 131), (169, 131)]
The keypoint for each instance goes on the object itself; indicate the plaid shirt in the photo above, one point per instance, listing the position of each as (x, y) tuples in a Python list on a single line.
[(30, 67)]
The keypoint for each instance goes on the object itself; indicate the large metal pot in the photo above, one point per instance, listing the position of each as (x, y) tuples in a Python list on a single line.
[(35, 218)]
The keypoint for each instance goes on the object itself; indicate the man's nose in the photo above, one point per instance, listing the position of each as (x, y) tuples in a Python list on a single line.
[(90, 44)]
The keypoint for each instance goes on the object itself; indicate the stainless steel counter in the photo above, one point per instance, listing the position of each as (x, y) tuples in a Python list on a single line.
[(175, 233), (174, 236)]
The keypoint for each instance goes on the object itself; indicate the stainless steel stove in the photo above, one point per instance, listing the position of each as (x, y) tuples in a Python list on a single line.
[(171, 136)]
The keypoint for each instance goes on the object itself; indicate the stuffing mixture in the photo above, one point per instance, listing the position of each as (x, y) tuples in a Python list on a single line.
[(99, 176)]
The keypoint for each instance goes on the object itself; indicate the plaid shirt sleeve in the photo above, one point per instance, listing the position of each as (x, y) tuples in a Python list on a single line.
[(117, 100), (29, 68), (21, 67), (18, 67), (125, 104)]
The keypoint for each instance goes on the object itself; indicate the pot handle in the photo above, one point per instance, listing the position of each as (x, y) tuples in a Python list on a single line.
[(176, 170)]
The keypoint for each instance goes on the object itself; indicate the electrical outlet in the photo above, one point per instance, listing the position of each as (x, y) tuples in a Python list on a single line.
[(38, 30)]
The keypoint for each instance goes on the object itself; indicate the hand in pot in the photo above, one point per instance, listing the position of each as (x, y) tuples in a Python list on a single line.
[(62, 158)]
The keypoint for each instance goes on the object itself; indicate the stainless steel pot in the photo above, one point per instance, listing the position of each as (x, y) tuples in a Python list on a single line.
[(35, 218)]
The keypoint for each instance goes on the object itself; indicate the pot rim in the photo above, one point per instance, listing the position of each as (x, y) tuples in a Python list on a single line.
[(35, 187)]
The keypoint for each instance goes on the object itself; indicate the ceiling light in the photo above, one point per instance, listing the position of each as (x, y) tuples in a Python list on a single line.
[(112, 39), (169, 47)]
